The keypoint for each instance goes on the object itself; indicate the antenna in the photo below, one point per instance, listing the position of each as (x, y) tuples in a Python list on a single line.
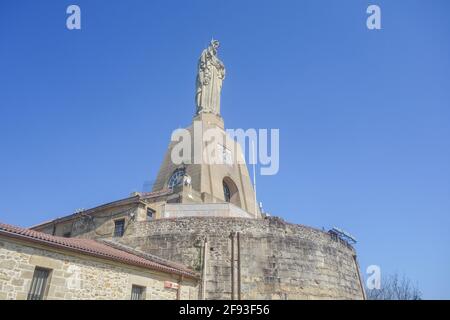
[(254, 175)]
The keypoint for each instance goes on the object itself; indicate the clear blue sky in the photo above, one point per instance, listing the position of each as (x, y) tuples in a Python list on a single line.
[(364, 116)]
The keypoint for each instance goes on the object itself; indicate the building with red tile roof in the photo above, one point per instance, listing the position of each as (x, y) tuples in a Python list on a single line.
[(24, 250)]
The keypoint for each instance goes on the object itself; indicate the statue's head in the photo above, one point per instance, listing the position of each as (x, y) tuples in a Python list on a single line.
[(215, 44)]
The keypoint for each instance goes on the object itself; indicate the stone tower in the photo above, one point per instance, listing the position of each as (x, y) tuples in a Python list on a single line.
[(203, 164)]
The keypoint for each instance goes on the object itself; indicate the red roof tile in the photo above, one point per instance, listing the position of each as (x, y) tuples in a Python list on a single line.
[(92, 248)]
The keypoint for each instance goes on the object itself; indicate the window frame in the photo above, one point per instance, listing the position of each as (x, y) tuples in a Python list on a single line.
[(176, 178), (141, 294), (115, 234), (32, 295), (152, 217)]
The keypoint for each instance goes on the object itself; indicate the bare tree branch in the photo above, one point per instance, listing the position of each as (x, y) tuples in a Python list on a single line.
[(394, 287)]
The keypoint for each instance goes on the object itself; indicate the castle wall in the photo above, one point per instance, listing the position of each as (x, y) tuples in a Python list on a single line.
[(278, 260)]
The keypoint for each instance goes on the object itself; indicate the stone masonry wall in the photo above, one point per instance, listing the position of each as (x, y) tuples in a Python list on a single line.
[(278, 260), (79, 277)]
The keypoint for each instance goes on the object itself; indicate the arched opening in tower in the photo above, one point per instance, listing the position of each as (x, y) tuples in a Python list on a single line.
[(231, 192)]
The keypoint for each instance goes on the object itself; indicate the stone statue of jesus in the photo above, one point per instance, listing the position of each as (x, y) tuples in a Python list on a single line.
[(211, 73)]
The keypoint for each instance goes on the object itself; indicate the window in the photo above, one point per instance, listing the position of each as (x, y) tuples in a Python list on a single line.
[(67, 234), (226, 192), (176, 178), (150, 214), (119, 228), (137, 293), (38, 284)]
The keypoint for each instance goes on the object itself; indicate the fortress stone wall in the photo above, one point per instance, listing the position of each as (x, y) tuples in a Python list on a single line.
[(278, 260)]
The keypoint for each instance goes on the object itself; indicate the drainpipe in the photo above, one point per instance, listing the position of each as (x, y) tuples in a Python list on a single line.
[(179, 287), (239, 265), (232, 265), (205, 263), (359, 277)]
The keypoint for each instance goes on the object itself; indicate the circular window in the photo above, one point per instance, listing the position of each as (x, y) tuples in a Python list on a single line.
[(176, 178)]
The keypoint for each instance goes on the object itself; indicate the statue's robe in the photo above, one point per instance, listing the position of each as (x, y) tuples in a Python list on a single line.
[(211, 73)]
